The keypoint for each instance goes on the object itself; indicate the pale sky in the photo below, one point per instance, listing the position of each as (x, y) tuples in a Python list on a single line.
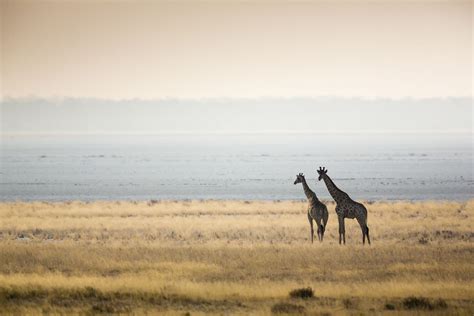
[(156, 50)]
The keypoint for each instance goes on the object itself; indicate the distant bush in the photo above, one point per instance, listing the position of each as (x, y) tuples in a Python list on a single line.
[(287, 308), (423, 241), (390, 306), (304, 293), (413, 302)]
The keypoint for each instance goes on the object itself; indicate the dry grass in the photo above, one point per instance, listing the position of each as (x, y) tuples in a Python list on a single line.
[(240, 257)]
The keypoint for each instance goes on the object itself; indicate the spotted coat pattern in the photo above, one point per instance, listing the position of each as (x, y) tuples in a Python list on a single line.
[(317, 211), (346, 208)]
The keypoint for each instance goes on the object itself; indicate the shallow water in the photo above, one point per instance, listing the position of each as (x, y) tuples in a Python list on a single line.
[(249, 166)]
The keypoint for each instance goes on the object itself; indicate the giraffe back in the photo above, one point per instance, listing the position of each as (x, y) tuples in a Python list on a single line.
[(352, 209)]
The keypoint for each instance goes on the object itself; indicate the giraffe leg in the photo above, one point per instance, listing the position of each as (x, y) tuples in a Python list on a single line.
[(311, 226), (325, 219), (342, 230), (320, 231), (365, 230), (367, 233)]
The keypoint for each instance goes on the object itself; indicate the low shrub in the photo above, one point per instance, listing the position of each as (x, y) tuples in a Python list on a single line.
[(413, 302), (390, 306), (303, 293)]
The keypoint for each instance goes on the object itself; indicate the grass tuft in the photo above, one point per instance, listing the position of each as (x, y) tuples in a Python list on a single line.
[(349, 303), (440, 304), (287, 308)]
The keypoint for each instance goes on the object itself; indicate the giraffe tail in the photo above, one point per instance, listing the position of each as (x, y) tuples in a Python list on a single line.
[(322, 228)]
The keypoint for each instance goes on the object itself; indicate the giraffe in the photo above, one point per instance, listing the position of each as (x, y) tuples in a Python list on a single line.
[(345, 208), (317, 211)]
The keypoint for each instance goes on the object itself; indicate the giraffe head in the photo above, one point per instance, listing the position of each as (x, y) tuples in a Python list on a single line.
[(299, 178), (322, 172)]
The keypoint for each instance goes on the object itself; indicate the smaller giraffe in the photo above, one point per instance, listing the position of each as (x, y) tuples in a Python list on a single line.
[(317, 211), (345, 208)]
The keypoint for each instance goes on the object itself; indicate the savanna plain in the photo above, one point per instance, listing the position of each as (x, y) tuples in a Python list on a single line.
[(233, 257)]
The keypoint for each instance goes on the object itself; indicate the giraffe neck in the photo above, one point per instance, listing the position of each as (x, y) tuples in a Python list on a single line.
[(307, 191), (336, 193)]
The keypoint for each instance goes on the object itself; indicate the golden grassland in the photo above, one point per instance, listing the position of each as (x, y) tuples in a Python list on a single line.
[(233, 257)]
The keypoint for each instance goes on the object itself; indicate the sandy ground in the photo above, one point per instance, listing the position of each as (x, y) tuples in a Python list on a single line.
[(233, 257)]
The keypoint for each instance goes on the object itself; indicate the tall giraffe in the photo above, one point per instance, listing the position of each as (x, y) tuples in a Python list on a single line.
[(345, 208), (317, 211)]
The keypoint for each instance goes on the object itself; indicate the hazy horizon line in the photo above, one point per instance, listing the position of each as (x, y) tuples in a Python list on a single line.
[(224, 98), (241, 132), (276, 116)]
